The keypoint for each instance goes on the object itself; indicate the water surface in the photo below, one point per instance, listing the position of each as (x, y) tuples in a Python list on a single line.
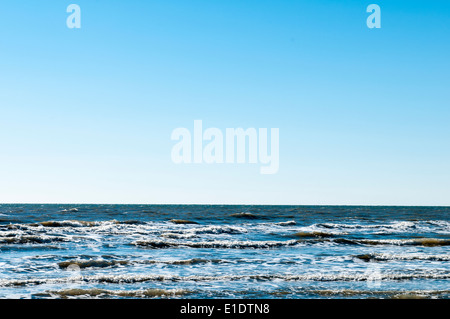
[(203, 251)]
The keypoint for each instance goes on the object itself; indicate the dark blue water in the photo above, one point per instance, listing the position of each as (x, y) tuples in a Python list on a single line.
[(170, 251)]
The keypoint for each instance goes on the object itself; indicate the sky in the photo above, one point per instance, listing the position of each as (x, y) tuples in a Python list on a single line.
[(86, 115)]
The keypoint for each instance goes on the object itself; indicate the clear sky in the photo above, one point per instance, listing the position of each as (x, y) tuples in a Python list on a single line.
[(86, 114)]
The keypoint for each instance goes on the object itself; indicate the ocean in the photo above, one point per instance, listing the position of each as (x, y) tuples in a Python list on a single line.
[(213, 251)]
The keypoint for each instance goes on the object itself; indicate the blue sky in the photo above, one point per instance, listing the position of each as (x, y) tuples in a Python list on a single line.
[(86, 115)]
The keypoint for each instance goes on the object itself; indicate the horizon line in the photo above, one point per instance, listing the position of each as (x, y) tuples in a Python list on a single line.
[(224, 204)]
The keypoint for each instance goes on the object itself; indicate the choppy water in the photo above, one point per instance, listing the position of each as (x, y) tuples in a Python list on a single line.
[(148, 251)]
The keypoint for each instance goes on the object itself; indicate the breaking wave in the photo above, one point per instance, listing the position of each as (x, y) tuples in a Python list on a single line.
[(129, 279), (82, 264), (232, 244), (398, 257), (148, 293)]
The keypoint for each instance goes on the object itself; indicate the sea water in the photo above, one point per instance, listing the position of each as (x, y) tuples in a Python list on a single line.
[(211, 251)]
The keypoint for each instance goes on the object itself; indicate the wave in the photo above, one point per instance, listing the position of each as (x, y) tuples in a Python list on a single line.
[(393, 227), (178, 236), (67, 223), (219, 229), (83, 223), (245, 215), (193, 261), (182, 222), (314, 234), (30, 248), (406, 257), (148, 293), (426, 242), (131, 222), (129, 226), (31, 240), (129, 279), (82, 264), (17, 235), (71, 210), (306, 238), (163, 293), (393, 294), (288, 223), (215, 244), (324, 229), (91, 263), (213, 230)]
